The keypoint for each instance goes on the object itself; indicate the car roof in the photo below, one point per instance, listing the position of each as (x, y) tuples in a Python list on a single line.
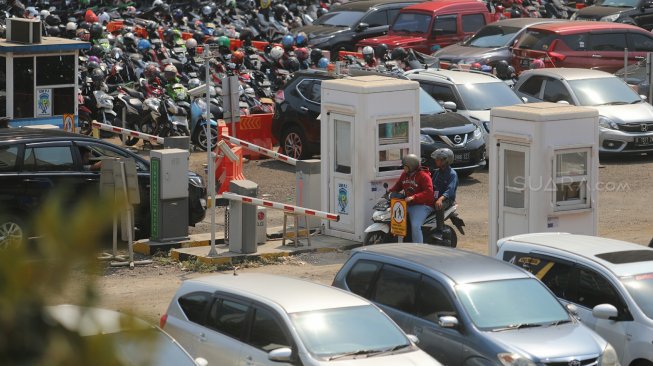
[(620, 257), (364, 5), (456, 76), (459, 265), (24, 133), (523, 22), (434, 5), (568, 73), (579, 26), (294, 295)]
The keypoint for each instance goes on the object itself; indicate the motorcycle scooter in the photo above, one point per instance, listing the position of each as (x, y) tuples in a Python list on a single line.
[(379, 231)]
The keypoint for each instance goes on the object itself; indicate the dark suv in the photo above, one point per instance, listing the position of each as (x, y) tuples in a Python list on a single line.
[(634, 12), (342, 27), (34, 163)]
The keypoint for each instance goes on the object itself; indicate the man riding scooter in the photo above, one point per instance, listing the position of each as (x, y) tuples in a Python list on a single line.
[(445, 183), (417, 187)]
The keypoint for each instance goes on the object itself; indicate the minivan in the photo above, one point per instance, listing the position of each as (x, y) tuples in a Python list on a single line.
[(431, 25), (589, 45)]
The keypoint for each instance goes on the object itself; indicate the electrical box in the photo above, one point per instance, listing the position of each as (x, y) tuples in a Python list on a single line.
[(174, 172), (21, 30), (169, 195)]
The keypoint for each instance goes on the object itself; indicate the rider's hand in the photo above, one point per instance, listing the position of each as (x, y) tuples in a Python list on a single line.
[(409, 199), (438, 203)]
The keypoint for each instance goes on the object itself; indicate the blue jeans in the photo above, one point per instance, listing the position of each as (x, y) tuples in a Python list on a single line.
[(417, 215)]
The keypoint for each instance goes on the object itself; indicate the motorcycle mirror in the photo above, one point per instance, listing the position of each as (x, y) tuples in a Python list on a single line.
[(385, 185)]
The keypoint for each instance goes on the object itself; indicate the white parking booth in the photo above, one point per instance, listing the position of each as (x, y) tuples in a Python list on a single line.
[(543, 170), (368, 124)]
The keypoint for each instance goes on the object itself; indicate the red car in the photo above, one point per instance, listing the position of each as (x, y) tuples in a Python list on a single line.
[(431, 25)]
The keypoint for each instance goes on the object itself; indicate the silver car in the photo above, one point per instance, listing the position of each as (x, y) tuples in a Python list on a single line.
[(259, 319), (471, 309), (625, 119)]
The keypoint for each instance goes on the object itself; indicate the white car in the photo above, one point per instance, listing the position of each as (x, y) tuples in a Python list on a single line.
[(610, 282), (259, 319)]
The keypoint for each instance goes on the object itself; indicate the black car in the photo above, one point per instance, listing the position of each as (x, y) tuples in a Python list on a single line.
[(36, 162), (297, 128), (634, 12), (343, 26)]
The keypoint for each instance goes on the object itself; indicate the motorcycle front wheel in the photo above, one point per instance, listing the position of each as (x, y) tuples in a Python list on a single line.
[(374, 237)]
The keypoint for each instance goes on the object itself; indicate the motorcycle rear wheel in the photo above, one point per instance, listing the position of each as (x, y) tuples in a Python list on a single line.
[(200, 138), (452, 238)]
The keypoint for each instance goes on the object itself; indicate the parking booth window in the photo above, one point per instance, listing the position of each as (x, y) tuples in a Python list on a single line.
[(392, 144), (343, 147), (571, 179), (514, 179), (24, 87)]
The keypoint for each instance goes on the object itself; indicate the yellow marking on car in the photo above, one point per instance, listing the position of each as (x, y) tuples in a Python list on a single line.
[(544, 270)]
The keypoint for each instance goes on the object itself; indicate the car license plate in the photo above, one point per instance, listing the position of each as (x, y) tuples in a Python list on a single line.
[(461, 157), (644, 140)]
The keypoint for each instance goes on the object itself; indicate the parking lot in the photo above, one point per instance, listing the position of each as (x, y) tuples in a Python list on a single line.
[(624, 208)]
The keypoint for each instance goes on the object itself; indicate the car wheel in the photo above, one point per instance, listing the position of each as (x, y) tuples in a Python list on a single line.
[(294, 144), (375, 237), (11, 233)]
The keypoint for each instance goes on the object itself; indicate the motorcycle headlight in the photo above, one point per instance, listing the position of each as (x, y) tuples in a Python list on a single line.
[(610, 18), (609, 357), (316, 41), (381, 216), (426, 139), (477, 134), (606, 122), (514, 359)]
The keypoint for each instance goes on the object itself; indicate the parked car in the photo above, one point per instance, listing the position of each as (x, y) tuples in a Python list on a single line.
[(297, 128), (634, 12), (34, 163), (132, 340), (625, 119), (344, 25), (590, 45), (609, 281), (471, 309), (431, 25), (261, 319), (489, 44)]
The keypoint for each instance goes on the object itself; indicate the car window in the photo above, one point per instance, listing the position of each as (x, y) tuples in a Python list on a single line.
[(412, 23), (266, 333), (48, 158), (608, 41), (491, 36), (536, 40), (309, 89), (577, 42), (397, 288), (484, 96), (444, 93), (376, 18), (194, 304), (555, 274), (432, 300), (639, 42), (445, 24), (392, 14), (555, 91), (472, 22), (228, 317), (594, 289), (8, 158), (359, 279), (100, 151), (340, 18), (532, 86)]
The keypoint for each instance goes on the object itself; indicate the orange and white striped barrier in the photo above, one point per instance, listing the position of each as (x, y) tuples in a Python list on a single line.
[(258, 149), (128, 132), (281, 206)]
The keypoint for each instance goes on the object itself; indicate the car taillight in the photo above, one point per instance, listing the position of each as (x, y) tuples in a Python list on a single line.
[(279, 97), (163, 320)]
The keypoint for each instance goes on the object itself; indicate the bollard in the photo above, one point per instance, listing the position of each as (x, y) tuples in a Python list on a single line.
[(242, 218)]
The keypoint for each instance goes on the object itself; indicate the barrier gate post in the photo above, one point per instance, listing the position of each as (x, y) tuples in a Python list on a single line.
[(242, 218)]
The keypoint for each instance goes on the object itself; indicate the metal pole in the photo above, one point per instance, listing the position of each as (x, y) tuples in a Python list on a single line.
[(211, 171), (626, 65)]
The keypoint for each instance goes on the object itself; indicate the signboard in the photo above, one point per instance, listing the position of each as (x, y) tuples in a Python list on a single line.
[(342, 203), (43, 102), (398, 220), (69, 122)]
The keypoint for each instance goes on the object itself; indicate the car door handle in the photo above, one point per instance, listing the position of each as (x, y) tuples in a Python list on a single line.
[(639, 57), (201, 337), (303, 109), (250, 360), (596, 56)]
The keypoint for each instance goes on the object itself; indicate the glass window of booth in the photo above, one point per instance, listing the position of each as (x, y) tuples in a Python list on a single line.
[(23, 87), (55, 70), (571, 179), (393, 144)]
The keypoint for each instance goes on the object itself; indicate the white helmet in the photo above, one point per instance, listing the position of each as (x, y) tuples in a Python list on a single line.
[(276, 53), (32, 11), (157, 3), (44, 14), (191, 43), (71, 26), (103, 17)]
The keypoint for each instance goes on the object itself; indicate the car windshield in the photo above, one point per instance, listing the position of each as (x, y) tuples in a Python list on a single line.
[(603, 91), (484, 96), (428, 105), (340, 18), (618, 3), (492, 36), (336, 332), (412, 23), (640, 287), (507, 304)]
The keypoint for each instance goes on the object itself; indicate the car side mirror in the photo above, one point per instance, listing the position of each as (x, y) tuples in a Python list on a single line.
[(448, 322), (283, 354), (524, 99), (361, 27), (413, 338), (201, 361), (562, 102), (450, 106), (605, 311), (573, 310), (644, 97), (385, 185)]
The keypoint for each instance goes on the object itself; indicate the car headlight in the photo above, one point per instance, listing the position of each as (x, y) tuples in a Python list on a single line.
[(426, 139), (514, 359), (609, 357), (610, 18), (477, 134), (606, 122), (486, 125), (316, 41)]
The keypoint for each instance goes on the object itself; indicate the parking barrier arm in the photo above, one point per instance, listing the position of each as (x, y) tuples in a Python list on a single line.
[(125, 131), (280, 206), (261, 150)]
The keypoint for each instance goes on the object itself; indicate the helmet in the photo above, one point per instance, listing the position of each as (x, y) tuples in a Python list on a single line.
[(198, 36), (116, 52), (276, 52), (151, 71), (90, 17), (44, 14), (443, 154), (130, 11), (92, 65), (280, 11), (178, 14), (515, 13), (323, 63), (537, 64), (476, 66), (97, 75), (368, 53), (191, 43), (316, 55), (104, 17), (486, 68), (206, 10), (83, 34), (71, 26), (301, 53), (321, 11), (411, 161), (128, 39), (96, 31), (170, 72), (223, 41), (246, 35), (398, 53), (84, 25), (93, 59), (96, 50), (381, 51), (144, 45), (230, 4), (194, 83), (237, 57), (287, 42), (301, 39), (502, 68), (292, 64), (53, 20), (157, 3)]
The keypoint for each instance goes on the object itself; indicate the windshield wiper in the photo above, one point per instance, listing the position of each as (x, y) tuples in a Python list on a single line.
[(354, 353), (615, 103), (389, 350), (517, 326), (558, 322)]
